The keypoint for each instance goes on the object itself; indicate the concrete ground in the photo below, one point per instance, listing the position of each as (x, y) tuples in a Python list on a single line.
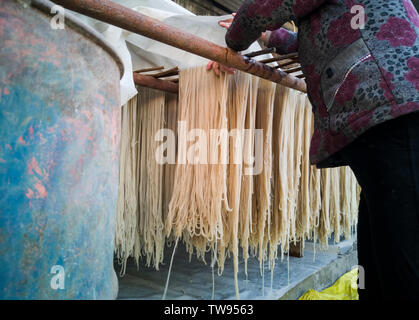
[(193, 280)]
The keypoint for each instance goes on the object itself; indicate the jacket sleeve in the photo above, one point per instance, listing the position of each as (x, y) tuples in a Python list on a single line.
[(257, 16), (283, 40)]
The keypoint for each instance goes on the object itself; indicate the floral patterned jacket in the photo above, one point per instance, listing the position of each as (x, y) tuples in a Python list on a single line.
[(356, 77)]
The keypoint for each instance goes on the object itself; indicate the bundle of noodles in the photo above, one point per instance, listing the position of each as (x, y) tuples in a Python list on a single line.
[(211, 200), (297, 159), (140, 227), (250, 167), (239, 86), (304, 207), (127, 205), (289, 142), (355, 198), (199, 195), (315, 202), (345, 191), (324, 219), (335, 203), (150, 243), (341, 202), (315, 194), (170, 167), (280, 134), (262, 196), (338, 212)]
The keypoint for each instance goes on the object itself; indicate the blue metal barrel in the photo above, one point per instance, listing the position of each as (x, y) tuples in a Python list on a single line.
[(59, 154)]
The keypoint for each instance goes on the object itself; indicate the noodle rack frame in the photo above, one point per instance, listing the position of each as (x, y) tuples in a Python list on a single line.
[(131, 20)]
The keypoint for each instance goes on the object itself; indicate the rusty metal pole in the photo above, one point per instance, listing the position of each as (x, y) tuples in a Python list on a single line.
[(151, 82), (125, 18)]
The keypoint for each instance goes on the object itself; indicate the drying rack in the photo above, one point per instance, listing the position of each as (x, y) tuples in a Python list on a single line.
[(168, 81), (287, 72), (130, 20)]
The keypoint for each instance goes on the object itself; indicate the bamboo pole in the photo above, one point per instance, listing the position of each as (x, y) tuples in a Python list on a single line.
[(260, 52), (293, 55), (292, 70), (285, 64), (125, 18), (168, 73), (149, 69), (154, 83)]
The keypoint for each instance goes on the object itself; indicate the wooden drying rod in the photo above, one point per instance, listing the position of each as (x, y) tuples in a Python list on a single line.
[(153, 80), (149, 69), (155, 83), (125, 18)]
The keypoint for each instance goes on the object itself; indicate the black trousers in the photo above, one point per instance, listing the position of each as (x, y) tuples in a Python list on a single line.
[(385, 160)]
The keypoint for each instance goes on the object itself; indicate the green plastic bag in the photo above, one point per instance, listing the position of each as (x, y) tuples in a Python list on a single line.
[(345, 288)]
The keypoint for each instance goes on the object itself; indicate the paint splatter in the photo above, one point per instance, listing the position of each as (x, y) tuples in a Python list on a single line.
[(21, 141), (33, 166), (88, 114), (42, 140), (29, 193), (41, 190)]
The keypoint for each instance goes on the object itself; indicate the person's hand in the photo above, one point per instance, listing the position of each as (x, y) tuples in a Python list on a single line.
[(226, 23), (218, 68)]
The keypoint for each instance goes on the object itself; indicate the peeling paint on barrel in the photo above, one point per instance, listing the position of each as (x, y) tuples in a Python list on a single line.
[(59, 151)]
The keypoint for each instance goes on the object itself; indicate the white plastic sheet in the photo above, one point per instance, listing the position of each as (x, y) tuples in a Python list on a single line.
[(139, 52)]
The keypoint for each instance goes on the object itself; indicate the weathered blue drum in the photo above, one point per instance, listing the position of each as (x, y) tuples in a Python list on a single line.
[(59, 154)]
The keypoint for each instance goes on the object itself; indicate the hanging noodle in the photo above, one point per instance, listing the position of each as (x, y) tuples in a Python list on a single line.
[(237, 105), (140, 228), (127, 205), (151, 111), (281, 131), (303, 221), (261, 218), (200, 184), (335, 205), (250, 163), (211, 200)]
